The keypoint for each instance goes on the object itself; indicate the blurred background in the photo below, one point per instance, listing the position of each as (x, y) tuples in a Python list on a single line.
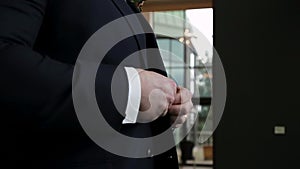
[(184, 31)]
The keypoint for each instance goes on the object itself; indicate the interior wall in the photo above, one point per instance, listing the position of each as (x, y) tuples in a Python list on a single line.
[(258, 42)]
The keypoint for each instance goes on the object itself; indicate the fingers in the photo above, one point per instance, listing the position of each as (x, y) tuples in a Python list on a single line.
[(183, 95), (181, 109), (179, 113), (177, 121)]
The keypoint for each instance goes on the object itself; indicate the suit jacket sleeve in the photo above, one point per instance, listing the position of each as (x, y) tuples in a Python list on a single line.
[(36, 91)]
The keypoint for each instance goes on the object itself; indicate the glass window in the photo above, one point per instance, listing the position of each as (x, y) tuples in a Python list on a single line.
[(189, 63)]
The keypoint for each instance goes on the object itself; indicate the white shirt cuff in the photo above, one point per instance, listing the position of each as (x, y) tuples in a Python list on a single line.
[(134, 95)]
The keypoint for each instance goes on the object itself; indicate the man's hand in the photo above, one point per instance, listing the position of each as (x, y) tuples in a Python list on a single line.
[(157, 95), (181, 107)]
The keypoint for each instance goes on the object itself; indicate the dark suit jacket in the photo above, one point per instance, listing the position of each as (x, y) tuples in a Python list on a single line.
[(39, 43)]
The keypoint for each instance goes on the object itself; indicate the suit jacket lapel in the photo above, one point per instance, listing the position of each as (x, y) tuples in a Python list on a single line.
[(125, 9)]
